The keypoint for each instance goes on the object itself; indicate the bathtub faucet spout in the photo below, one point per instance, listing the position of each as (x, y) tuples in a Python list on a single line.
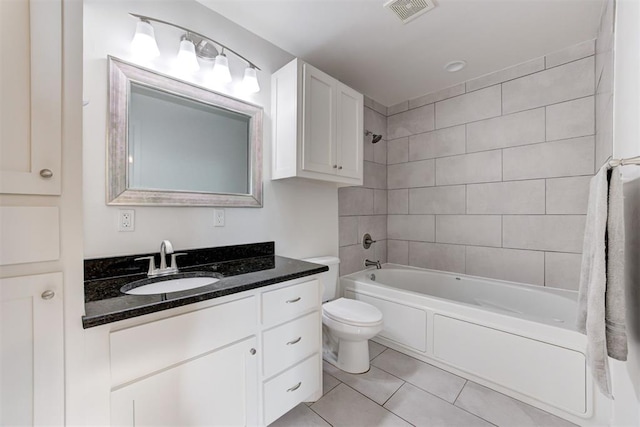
[(369, 263)]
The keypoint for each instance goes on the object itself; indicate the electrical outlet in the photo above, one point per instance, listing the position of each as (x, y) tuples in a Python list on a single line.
[(126, 220), (218, 217)]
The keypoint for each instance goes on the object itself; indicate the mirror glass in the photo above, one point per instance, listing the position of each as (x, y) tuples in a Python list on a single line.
[(173, 143)]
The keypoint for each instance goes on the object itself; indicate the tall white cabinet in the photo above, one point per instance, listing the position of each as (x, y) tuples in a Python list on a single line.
[(318, 126), (32, 383), (31, 350), (31, 97)]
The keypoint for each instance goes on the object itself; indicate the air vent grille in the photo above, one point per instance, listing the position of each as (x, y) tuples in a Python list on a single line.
[(408, 10)]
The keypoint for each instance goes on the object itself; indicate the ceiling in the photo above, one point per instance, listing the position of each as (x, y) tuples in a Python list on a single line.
[(367, 47)]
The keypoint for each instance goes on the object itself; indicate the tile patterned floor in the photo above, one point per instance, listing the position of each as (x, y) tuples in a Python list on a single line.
[(399, 390)]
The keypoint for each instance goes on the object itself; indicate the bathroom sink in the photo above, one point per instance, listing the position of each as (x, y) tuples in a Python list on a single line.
[(169, 285)]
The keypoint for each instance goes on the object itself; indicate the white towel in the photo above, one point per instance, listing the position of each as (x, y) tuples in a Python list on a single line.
[(601, 309)]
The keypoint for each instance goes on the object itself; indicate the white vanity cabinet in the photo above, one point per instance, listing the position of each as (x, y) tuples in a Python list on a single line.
[(292, 347), (318, 126), (216, 389), (244, 359)]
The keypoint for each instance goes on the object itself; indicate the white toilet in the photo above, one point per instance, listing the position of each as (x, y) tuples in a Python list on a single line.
[(347, 325)]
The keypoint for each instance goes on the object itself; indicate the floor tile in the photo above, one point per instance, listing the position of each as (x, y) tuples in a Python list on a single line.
[(375, 349), (300, 416), (344, 406), (503, 410), (424, 409), (376, 384), (434, 380), (329, 382)]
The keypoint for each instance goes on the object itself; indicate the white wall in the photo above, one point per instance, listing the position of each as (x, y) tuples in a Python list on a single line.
[(300, 216), (626, 143)]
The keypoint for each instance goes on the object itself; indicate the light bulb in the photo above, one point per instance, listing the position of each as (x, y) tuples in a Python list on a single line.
[(220, 71), (187, 60), (144, 44), (250, 81)]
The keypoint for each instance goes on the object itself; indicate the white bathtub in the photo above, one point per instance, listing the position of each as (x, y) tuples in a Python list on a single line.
[(517, 339)]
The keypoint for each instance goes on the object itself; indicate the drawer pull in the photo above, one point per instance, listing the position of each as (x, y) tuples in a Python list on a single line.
[(296, 341), (294, 300), (295, 387)]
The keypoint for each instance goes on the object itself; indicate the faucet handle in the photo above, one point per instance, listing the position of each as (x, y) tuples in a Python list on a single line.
[(174, 263), (152, 263)]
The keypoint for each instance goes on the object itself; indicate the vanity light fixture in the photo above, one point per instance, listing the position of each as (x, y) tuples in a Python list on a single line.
[(193, 45), (144, 44), (221, 73), (186, 60), (250, 80)]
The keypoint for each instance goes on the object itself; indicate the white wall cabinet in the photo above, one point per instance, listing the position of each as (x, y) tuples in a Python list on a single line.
[(31, 97), (31, 350), (318, 126)]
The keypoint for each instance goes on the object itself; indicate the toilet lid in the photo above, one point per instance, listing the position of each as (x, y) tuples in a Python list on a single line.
[(352, 312)]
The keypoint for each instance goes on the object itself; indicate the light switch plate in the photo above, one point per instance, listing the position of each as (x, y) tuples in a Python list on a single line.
[(218, 217)]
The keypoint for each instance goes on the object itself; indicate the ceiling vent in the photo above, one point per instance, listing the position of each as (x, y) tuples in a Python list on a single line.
[(408, 10)]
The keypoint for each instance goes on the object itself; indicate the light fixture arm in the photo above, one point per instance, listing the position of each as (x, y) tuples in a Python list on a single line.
[(188, 31)]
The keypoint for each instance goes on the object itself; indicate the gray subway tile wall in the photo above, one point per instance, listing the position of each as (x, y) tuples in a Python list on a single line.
[(490, 177), (364, 209), (604, 84)]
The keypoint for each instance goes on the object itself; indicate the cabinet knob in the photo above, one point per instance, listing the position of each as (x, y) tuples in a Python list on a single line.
[(339, 167), (252, 351), (295, 387), (296, 341), (335, 166), (46, 295), (46, 173), (291, 301)]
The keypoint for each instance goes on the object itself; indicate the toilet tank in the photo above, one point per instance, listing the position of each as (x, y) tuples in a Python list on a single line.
[(329, 278)]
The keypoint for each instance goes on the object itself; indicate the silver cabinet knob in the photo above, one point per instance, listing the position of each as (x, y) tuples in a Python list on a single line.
[(339, 167), (46, 173), (46, 295), (291, 301), (252, 351)]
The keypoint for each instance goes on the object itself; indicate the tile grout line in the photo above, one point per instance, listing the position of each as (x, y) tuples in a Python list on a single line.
[(460, 392)]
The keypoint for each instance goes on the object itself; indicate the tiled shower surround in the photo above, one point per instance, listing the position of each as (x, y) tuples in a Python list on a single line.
[(489, 177)]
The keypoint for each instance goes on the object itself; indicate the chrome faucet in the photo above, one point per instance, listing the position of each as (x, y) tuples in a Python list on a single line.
[(369, 263), (166, 248)]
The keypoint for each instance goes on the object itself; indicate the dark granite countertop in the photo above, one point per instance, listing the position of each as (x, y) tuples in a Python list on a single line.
[(104, 303)]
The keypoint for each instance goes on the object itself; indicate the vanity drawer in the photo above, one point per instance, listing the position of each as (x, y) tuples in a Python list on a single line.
[(290, 343), (291, 387), (286, 303)]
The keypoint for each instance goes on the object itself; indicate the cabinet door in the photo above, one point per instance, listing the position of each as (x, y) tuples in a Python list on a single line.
[(319, 127), (219, 388), (350, 132), (30, 96), (31, 351)]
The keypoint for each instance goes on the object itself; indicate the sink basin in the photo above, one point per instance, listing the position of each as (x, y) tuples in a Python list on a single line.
[(172, 285)]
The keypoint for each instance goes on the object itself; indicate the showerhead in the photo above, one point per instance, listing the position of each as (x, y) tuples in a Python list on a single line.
[(374, 138)]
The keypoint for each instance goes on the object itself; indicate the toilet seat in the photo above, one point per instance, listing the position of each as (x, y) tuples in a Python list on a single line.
[(352, 312)]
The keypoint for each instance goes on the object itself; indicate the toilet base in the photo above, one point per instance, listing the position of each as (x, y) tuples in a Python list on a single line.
[(353, 356)]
